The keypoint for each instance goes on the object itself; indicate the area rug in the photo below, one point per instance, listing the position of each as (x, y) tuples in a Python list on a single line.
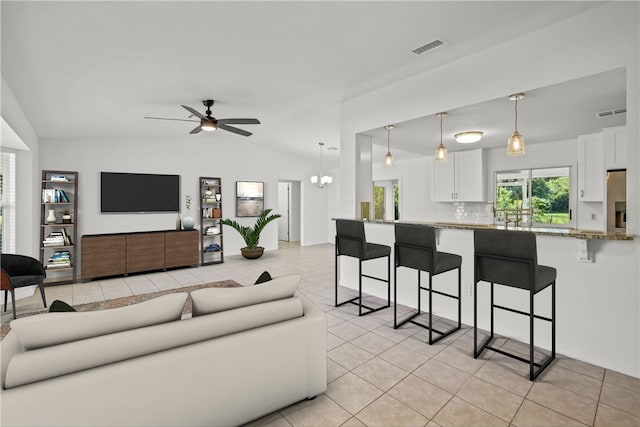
[(133, 299)]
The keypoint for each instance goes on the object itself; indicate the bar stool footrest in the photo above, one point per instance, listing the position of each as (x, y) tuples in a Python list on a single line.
[(443, 334)]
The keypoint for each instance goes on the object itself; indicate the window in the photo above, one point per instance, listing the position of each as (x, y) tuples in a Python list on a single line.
[(386, 196), (7, 201), (533, 197)]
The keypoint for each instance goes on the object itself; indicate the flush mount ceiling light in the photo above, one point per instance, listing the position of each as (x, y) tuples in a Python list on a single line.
[(515, 144), (468, 137), (441, 152), (388, 158), (321, 180)]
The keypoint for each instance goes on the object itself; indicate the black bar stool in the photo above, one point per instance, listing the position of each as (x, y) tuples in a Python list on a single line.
[(351, 241), (415, 248), (510, 258)]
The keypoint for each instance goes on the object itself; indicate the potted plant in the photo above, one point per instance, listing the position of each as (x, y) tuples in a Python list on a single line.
[(251, 235)]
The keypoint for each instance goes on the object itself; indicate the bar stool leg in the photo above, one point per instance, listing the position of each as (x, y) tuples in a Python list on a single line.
[(336, 274), (531, 326), (459, 297), (395, 291), (359, 287), (430, 309), (553, 320)]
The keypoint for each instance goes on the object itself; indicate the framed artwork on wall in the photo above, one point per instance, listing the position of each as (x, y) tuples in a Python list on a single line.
[(249, 198)]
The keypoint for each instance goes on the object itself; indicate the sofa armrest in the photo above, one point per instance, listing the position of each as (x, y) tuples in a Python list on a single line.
[(317, 347)]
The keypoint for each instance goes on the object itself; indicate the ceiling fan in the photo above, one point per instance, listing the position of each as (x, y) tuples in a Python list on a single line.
[(210, 123)]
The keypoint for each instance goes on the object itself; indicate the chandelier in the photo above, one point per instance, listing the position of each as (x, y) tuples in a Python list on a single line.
[(321, 180)]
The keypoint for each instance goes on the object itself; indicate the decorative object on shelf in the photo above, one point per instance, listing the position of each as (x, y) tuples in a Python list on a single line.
[(251, 235), (441, 152), (52, 216), (66, 216), (188, 221), (388, 158), (468, 137), (218, 197), (208, 193), (178, 222), (321, 180), (249, 198), (515, 144)]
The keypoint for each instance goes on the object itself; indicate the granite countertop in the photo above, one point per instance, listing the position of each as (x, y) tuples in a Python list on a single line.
[(543, 231)]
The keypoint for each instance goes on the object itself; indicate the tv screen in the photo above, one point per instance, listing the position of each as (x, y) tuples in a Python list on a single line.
[(139, 192)]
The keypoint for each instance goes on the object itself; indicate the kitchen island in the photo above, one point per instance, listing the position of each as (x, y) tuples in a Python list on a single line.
[(598, 289)]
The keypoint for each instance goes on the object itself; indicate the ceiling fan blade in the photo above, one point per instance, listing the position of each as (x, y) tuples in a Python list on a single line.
[(234, 130), (196, 130), (165, 118), (239, 121), (194, 112)]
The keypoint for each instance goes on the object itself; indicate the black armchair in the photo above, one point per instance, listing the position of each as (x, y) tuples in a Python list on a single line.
[(19, 271)]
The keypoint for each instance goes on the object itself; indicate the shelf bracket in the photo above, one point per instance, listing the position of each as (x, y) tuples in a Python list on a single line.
[(585, 252)]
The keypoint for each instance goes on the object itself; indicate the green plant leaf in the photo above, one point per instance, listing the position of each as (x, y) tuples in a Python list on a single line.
[(251, 235)]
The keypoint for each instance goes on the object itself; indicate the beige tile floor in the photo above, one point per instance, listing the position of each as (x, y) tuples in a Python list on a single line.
[(379, 376)]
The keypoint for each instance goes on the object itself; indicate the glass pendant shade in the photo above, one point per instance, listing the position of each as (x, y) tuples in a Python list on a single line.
[(388, 158), (515, 145), (442, 155)]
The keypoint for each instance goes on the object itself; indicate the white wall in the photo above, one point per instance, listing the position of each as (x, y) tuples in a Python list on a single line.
[(228, 157)]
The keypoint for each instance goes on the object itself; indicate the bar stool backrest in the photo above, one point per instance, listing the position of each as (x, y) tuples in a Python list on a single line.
[(350, 238), (506, 257), (416, 247)]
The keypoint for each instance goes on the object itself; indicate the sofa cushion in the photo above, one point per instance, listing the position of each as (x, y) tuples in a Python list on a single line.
[(55, 328), (50, 362), (212, 300)]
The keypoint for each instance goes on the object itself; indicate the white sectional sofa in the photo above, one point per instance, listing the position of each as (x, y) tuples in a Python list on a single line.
[(245, 352)]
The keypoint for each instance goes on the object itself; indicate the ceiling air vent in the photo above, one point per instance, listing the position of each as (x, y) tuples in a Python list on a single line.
[(431, 45), (609, 113)]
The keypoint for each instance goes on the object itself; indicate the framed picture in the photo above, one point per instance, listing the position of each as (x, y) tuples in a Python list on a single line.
[(249, 198)]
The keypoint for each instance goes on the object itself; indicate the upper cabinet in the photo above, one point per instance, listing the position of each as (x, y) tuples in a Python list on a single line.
[(461, 179), (615, 147), (591, 171)]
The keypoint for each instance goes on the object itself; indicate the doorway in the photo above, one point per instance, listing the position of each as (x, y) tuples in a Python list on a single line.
[(289, 208)]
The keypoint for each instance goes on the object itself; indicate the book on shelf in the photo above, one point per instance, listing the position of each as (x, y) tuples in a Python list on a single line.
[(57, 238), (58, 178), (59, 259), (54, 195)]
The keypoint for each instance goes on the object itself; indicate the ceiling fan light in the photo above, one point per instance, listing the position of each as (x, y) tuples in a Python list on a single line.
[(208, 125), (515, 145), (468, 137)]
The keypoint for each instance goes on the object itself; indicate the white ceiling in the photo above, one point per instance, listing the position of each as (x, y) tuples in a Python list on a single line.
[(90, 69)]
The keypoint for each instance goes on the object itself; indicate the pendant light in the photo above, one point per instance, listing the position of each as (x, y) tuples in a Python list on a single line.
[(515, 144), (441, 152), (321, 180), (388, 159)]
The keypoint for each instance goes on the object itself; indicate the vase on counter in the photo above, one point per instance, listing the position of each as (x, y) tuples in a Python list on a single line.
[(52, 216), (178, 222), (188, 222)]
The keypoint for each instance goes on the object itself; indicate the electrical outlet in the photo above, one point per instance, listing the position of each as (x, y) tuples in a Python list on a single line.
[(593, 217)]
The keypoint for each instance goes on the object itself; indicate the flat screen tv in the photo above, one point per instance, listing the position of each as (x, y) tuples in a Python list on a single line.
[(139, 192)]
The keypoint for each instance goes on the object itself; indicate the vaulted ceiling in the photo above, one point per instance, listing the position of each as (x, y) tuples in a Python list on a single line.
[(91, 69)]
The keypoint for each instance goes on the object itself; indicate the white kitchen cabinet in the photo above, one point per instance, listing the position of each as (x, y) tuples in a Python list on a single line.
[(615, 147), (591, 171), (461, 179)]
